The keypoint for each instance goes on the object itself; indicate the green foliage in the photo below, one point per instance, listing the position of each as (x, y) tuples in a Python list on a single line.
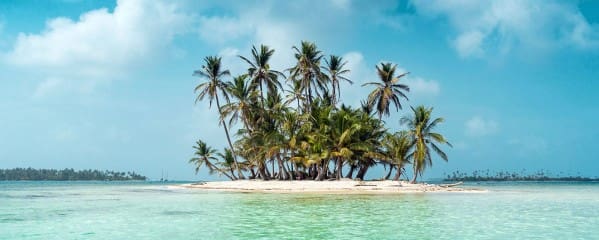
[(67, 174), (299, 131)]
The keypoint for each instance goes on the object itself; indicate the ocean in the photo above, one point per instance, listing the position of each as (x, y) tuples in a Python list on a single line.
[(152, 210)]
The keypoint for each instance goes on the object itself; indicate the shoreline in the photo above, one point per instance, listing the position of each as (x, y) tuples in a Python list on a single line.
[(328, 187)]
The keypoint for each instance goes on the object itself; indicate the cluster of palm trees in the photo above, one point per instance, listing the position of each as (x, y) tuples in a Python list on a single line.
[(302, 130)]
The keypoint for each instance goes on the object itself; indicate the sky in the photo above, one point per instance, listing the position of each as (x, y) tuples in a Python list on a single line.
[(109, 85)]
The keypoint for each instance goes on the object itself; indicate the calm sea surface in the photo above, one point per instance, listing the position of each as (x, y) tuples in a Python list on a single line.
[(99, 210)]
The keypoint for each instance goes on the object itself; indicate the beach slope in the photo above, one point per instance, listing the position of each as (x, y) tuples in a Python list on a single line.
[(343, 187)]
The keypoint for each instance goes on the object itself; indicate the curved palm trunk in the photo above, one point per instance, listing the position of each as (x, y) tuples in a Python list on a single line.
[(283, 173), (214, 168), (227, 175), (362, 172), (397, 174), (239, 173), (231, 171), (262, 171), (415, 175), (389, 174), (352, 168)]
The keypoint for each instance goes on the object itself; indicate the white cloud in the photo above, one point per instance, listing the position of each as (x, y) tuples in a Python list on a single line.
[(223, 29), (361, 72), (469, 44), (232, 62), (53, 86), (494, 27), (100, 42), (420, 87), (254, 26), (478, 127)]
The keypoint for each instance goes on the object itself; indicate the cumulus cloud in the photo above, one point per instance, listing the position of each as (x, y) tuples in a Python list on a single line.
[(100, 42), (478, 127), (495, 27), (254, 26)]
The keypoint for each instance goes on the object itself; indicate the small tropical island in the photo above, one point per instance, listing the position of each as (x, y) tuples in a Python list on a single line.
[(505, 176), (291, 124), (67, 174)]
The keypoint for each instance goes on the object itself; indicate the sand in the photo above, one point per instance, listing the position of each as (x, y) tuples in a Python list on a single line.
[(342, 187)]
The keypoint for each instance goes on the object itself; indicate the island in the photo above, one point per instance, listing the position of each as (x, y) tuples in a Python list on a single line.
[(289, 131), (291, 125), (67, 174), (505, 176)]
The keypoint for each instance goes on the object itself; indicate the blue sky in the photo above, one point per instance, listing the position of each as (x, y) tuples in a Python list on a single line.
[(108, 85)]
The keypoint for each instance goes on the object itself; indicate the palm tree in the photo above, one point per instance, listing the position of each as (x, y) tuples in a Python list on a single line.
[(240, 109), (260, 72), (421, 131), (295, 93), (388, 90), (307, 70), (397, 148), (344, 125), (204, 156), (212, 71), (370, 134), (336, 71), (228, 160)]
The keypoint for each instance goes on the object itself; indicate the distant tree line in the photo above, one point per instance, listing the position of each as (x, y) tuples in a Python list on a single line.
[(67, 174), (486, 175)]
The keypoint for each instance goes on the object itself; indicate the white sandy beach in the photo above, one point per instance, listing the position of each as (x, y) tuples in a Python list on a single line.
[(342, 187)]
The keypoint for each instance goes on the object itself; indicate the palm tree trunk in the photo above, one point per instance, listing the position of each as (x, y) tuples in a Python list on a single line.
[(280, 164), (286, 172), (334, 95), (239, 173), (231, 171), (262, 95), (362, 172), (272, 161), (227, 175), (339, 168), (397, 174), (415, 175), (292, 171), (262, 171), (390, 170), (352, 168), (212, 167), (322, 172)]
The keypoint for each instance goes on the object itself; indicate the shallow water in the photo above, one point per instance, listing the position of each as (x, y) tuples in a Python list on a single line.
[(109, 210)]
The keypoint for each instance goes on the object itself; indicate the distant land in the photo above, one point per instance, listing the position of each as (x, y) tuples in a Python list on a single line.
[(486, 175), (67, 174)]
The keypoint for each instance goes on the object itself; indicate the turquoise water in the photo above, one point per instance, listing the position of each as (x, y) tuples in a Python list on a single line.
[(75, 210)]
